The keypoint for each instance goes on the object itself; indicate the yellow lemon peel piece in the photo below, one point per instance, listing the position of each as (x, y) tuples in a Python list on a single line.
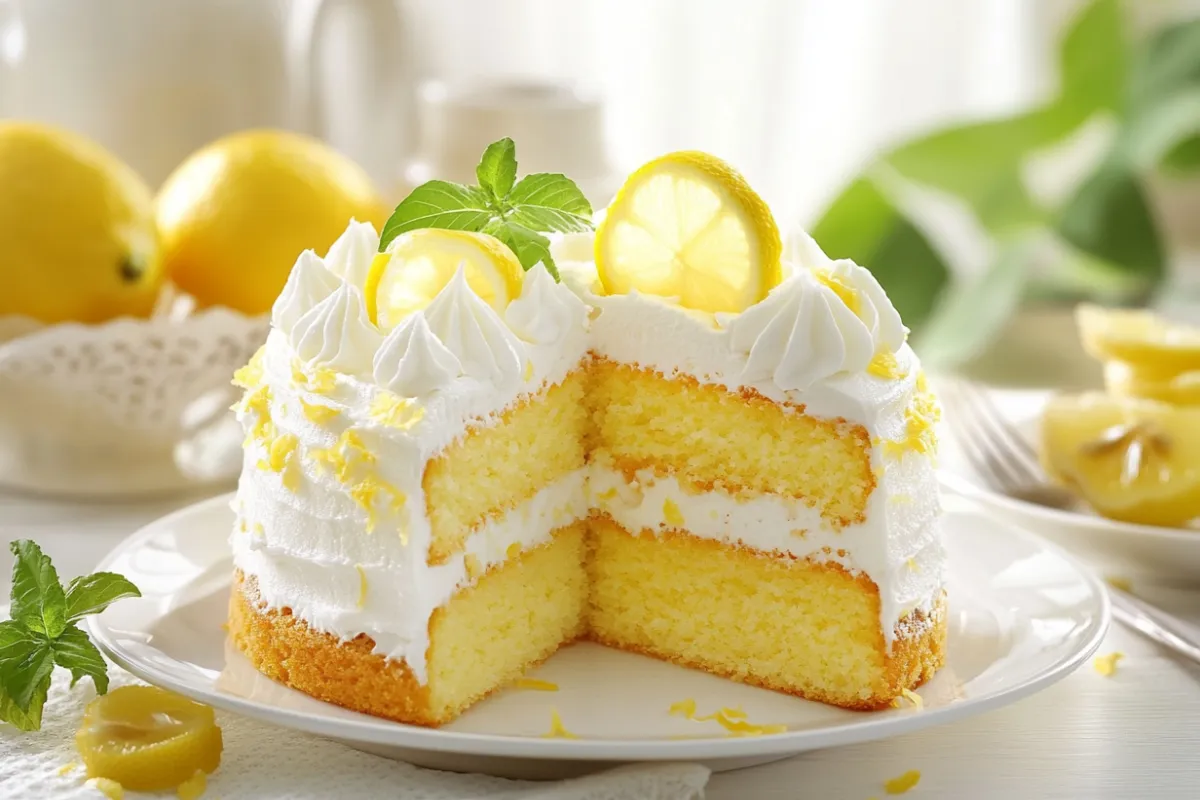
[(912, 697), (1118, 582), (393, 411), (884, 365), (250, 375), (685, 708), (535, 685), (362, 587), (903, 783), (68, 768), (1106, 665), (107, 787), (316, 413)]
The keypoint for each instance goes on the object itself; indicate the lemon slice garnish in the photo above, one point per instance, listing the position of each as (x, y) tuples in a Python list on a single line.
[(418, 264), (688, 226), (1148, 342), (148, 739)]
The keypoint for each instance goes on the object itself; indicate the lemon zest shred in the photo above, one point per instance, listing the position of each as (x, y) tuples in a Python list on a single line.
[(68, 768), (1106, 665), (1118, 582), (316, 413), (107, 787), (362, 586), (903, 783), (535, 685), (250, 374), (911, 696), (528, 371), (193, 788), (393, 411), (685, 708), (885, 365), (557, 729), (671, 513)]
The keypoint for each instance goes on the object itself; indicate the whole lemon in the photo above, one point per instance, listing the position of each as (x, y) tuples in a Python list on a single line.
[(235, 215), (77, 227)]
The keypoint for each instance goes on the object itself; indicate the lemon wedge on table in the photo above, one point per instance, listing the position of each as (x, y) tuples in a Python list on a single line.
[(1131, 459), (687, 225), (418, 264), (148, 739), (1153, 345)]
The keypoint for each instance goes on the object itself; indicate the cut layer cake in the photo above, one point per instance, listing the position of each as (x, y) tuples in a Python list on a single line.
[(683, 448)]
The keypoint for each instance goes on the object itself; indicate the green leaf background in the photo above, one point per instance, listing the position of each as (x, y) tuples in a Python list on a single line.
[(1150, 88)]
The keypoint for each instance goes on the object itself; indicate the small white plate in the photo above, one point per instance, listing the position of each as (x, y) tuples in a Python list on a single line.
[(1022, 616), (1120, 549)]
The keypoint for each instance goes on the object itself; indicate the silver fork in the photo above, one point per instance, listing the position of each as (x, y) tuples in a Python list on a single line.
[(1007, 462), (998, 453)]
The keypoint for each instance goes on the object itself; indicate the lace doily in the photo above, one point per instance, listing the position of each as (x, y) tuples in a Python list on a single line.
[(125, 407), (260, 761)]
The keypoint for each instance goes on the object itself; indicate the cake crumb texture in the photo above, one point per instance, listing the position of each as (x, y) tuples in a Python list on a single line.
[(493, 469), (741, 443)]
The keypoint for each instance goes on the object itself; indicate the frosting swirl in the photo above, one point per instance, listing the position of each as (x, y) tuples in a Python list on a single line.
[(337, 333), (800, 334), (546, 310), (862, 291), (350, 256), (474, 332), (308, 283), (412, 361)]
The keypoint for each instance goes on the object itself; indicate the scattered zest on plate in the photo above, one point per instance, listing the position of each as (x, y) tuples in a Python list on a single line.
[(43, 632), (1106, 665), (903, 783), (731, 719)]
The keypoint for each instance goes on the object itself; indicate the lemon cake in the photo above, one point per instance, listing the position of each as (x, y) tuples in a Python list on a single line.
[(688, 447)]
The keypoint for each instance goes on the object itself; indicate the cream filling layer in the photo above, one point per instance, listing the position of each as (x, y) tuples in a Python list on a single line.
[(343, 581)]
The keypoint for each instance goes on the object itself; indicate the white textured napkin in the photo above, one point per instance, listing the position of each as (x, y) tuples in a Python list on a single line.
[(262, 761)]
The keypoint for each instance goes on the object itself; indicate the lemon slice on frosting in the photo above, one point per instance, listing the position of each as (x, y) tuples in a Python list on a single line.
[(687, 225), (418, 264)]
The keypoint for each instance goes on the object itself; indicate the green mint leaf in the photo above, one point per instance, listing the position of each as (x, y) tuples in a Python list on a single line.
[(549, 201), (529, 246), (29, 719), (75, 651), (91, 594), (38, 600), (497, 169), (26, 661), (438, 204)]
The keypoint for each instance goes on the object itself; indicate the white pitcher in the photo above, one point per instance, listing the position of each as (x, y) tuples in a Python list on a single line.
[(153, 80)]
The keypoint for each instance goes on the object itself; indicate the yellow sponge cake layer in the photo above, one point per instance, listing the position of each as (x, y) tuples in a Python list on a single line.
[(494, 469), (794, 626), (515, 616), (743, 444)]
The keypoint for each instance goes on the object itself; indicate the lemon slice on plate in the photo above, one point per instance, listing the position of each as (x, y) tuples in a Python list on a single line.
[(1130, 459), (418, 264), (1127, 380), (1140, 338), (688, 226), (148, 739)]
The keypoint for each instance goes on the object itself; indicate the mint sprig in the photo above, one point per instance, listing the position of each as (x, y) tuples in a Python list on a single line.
[(42, 633), (515, 212)]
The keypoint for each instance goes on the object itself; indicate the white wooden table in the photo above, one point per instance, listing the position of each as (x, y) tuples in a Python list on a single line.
[(1134, 736)]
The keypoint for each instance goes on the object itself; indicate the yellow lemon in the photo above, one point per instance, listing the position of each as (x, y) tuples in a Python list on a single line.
[(1127, 380), (236, 214), (1130, 459), (148, 739), (1141, 338), (687, 225), (418, 264), (77, 227)]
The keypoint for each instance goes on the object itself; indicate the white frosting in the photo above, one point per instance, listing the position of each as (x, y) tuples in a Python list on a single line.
[(412, 361), (800, 334), (350, 256), (308, 284), (336, 333), (465, 364), (471, 330)]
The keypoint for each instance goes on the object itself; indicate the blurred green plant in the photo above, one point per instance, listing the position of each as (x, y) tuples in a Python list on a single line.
[(1102, 237)]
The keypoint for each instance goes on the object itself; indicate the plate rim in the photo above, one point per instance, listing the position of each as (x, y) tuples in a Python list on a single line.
[(396, 734), (973, 490)]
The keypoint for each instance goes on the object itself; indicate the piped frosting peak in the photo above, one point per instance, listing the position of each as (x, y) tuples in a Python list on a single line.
[(546, 309), (308, 284), (802, 333), (350, 256), (337, 333), (413, 362), (476, 335)]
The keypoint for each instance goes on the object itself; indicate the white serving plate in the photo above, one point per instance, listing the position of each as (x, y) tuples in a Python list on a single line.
[(1022, 616), (1119, 549)]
